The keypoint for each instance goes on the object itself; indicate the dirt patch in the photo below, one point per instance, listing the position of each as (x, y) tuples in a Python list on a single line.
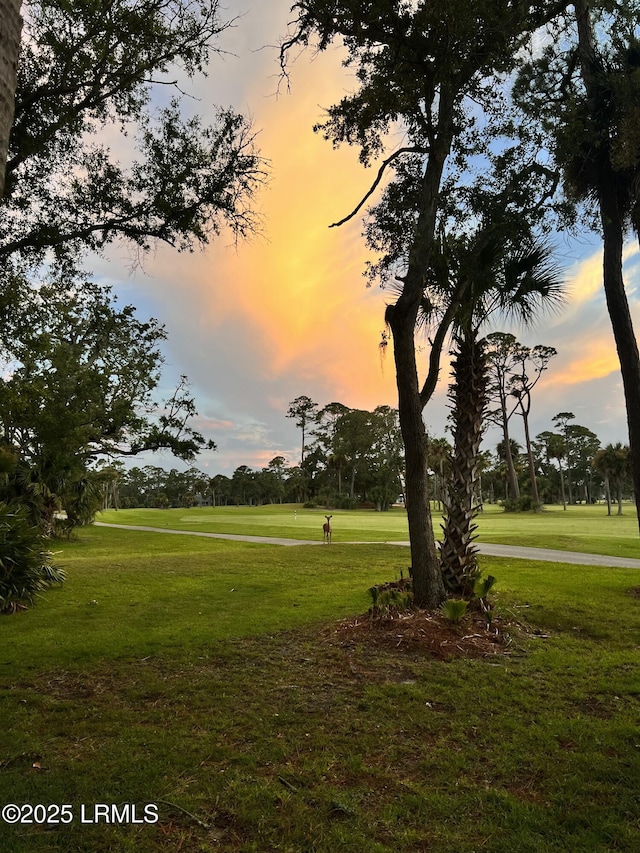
[(427, 631)]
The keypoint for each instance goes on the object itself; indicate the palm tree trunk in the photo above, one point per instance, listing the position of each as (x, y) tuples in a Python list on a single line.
[(458, 554), (10, 28), (619, 490), (607, 492)]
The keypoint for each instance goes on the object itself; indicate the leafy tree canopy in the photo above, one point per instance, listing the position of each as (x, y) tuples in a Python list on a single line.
[(79, 377), (87, 74)]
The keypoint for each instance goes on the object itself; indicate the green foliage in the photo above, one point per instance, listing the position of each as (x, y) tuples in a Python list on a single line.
[(345, 502), (25, 567), (454, 609), (391, 598), (88, 66), (482, 586), (524, 503), (358, 454), (80, 381)]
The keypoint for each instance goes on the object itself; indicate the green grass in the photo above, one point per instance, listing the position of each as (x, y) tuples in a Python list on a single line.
[(579, 528), (147, 679)]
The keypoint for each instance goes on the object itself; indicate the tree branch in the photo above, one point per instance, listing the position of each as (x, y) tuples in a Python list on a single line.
[(390, 159), (438, 342)]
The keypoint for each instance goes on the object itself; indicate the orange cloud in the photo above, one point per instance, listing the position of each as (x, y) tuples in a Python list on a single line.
[(296, 295), (598, 360)]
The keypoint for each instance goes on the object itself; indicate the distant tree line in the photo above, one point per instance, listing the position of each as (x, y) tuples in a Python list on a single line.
[(352, 457), (355, 457)]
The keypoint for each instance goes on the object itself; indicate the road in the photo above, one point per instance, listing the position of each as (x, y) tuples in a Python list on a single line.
[(515, 551)]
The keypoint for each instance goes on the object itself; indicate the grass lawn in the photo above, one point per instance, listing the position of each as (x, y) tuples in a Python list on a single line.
[(205, 677), (579, 528)]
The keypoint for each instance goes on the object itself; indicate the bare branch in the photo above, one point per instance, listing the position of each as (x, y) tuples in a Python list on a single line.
[(390, 159), (438, 342)]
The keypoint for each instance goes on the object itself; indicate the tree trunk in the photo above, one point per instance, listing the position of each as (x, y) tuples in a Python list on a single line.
[(612, 198), (428, 588), (458, 558), (564, 502), (531, 461), (10, 28), (621, 323), (512, 477)]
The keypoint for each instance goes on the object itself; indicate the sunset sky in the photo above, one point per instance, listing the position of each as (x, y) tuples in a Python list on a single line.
[(289, 313)]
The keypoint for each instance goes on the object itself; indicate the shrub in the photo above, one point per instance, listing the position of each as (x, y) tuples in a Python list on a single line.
[(525, 503), (25, 567), (345, 502)]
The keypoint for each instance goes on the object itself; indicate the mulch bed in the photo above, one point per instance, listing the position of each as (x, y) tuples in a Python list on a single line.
[(430, 632)]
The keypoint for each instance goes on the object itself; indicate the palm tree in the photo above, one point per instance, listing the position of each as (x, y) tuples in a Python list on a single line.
[(506, 278), (610, 462)]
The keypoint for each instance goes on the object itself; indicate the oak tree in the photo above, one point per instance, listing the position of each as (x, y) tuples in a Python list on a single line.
[(78, 383), (102, 145), (10, 27)]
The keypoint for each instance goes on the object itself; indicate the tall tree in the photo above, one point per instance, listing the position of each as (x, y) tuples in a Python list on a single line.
[(554, 446), (507, 272), (418, 65), (582, 446), (561, 420), (584, 90), (612, 462), (90, 66), (501, 359), (521, 384), (439, 462), (10, 27), (304, 411)]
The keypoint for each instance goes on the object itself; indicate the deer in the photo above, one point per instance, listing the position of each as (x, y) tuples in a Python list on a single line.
[(326, 529)]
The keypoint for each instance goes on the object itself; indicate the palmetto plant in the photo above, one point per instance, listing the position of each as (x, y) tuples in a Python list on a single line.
[(505, 278), (25, 567)]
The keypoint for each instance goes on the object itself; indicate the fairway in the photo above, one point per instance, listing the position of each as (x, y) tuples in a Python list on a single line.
[(579, 528), (206, 678)]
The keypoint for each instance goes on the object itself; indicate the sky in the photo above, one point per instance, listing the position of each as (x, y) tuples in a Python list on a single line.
[(288, 313)]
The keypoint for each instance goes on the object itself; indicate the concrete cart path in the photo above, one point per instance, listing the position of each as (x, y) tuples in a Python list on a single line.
[(515, 551)]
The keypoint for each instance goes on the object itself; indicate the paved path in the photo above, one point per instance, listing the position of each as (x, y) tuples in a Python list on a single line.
[(236, 537), (515, 551)]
